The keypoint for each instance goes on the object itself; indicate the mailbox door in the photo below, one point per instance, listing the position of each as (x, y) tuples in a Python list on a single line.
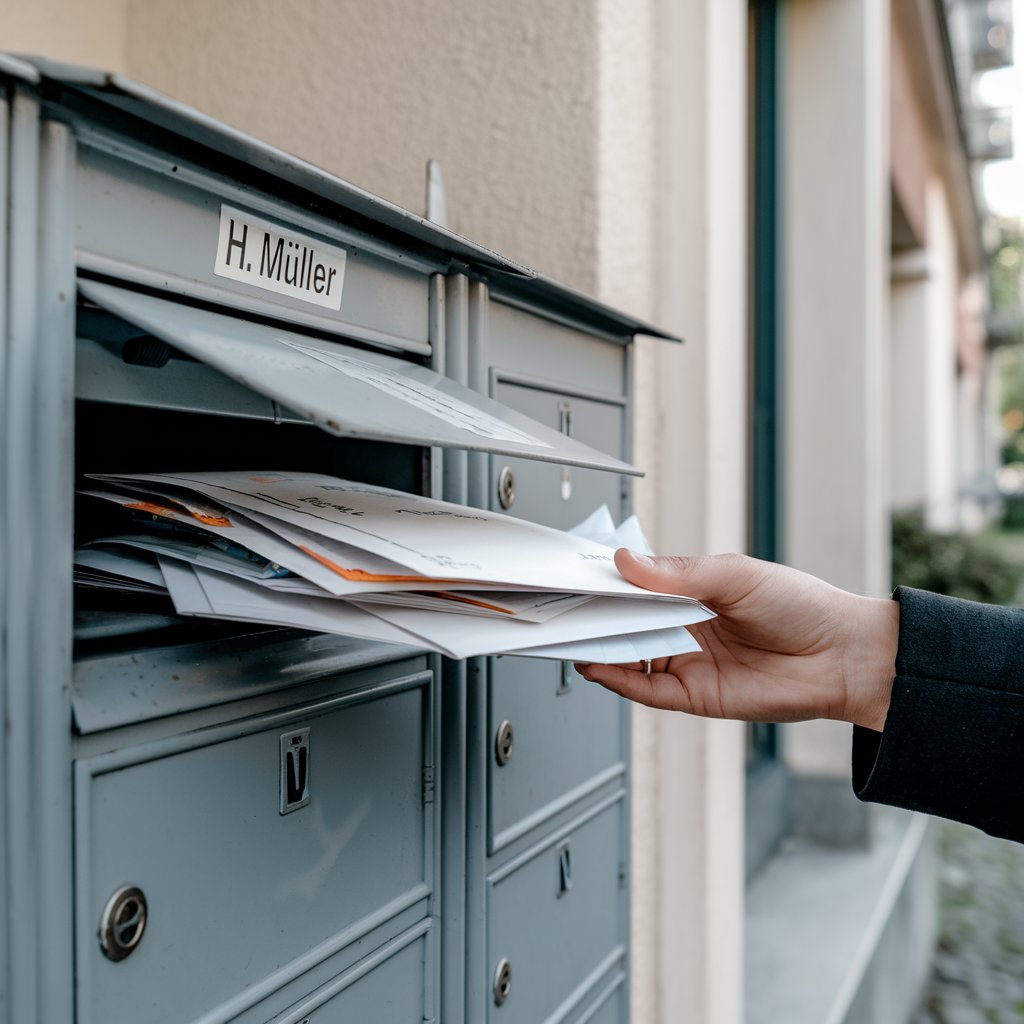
[(238, 846), (555, 927)]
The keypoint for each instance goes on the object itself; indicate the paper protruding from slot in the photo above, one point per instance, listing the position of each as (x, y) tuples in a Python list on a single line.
[(618, 650)]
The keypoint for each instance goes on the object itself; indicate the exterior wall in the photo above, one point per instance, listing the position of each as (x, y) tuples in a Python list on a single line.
[(93, 33), (979, 432), (909, 337), (941, 498), (835, 163), (942, 447), (925, 414), (692, 439), (909, 142), (836, 215)]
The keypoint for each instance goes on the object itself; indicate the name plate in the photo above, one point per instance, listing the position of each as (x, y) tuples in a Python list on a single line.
[(264, 255)]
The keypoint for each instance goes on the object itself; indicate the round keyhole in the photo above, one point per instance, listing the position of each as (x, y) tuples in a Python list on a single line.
[(506, 487), (502, 981), (504, 742), (122, 923)]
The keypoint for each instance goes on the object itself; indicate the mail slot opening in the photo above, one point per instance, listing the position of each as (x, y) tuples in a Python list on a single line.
[(145, 406), (118, 438)]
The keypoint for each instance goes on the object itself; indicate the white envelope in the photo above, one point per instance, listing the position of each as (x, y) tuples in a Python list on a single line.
[(431, 537)]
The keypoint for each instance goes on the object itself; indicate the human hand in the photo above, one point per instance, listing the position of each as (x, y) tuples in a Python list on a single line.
[(785, 646)]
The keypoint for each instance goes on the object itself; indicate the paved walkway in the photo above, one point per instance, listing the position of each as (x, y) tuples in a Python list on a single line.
[(978, 973)]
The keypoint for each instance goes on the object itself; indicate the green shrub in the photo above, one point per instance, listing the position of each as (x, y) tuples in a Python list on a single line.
[(1013, 517), (958, 564)]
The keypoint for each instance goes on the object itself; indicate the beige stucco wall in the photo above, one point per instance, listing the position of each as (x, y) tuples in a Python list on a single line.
[(837, 250), (939, 369), (78, 31), (691, 403), (836, 203)]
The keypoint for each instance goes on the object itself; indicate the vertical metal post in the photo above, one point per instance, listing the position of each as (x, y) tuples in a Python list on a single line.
[(628, 429), (5, 127), (19, 579), (478, 743), (477, 363), (52, 614), (453, 711), (432, 741), (456, 366), (439, 903), (625, 708)]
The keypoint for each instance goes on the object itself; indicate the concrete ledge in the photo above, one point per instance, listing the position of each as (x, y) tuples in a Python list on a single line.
[(825, 810), (843, 936)]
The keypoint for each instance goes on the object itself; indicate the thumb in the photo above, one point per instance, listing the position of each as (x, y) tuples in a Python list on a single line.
[(713, 579)]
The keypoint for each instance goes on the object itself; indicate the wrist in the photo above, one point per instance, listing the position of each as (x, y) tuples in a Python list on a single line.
[(872, 667)]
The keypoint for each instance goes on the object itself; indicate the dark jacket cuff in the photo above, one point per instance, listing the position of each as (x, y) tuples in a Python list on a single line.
[(953, 741)]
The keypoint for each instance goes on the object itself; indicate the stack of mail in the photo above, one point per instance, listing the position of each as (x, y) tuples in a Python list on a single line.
[(324, 554)]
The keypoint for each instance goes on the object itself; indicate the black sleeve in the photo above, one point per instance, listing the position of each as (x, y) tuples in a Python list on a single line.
[(953, 741)]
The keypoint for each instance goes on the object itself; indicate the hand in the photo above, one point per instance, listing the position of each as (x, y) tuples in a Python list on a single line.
[(785, 646)]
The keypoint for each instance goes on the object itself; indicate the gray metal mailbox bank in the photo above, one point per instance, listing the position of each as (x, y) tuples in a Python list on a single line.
[(457, 850)]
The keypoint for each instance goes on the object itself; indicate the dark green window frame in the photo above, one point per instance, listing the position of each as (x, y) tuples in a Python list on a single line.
[(766, 789)]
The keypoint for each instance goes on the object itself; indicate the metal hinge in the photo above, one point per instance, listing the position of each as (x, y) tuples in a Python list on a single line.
[(437, 200), (428, 785)]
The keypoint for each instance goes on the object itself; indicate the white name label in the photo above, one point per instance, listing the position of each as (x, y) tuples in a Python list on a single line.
[(266, 256)]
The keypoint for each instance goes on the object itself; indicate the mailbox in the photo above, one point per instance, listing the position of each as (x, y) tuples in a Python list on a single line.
[(205, 821)]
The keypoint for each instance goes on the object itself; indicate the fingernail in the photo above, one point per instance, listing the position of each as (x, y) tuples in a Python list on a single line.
[(644, 560)]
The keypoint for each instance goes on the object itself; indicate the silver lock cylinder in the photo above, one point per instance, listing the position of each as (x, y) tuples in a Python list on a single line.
[(122, 922), (502, 981), (506, 487), (504, 741)]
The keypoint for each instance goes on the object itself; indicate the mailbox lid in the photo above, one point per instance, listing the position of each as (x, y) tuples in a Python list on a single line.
[(345, 391)]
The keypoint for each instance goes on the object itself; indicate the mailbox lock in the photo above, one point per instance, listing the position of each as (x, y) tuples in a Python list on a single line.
[(502, 981), (503, 743), (506, 487), (122, 923)]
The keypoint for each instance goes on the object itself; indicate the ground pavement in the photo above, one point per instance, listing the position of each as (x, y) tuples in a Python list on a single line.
[(978, 973)]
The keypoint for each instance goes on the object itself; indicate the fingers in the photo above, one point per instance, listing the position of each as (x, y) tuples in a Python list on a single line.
[(714, 579), (656, 690)]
